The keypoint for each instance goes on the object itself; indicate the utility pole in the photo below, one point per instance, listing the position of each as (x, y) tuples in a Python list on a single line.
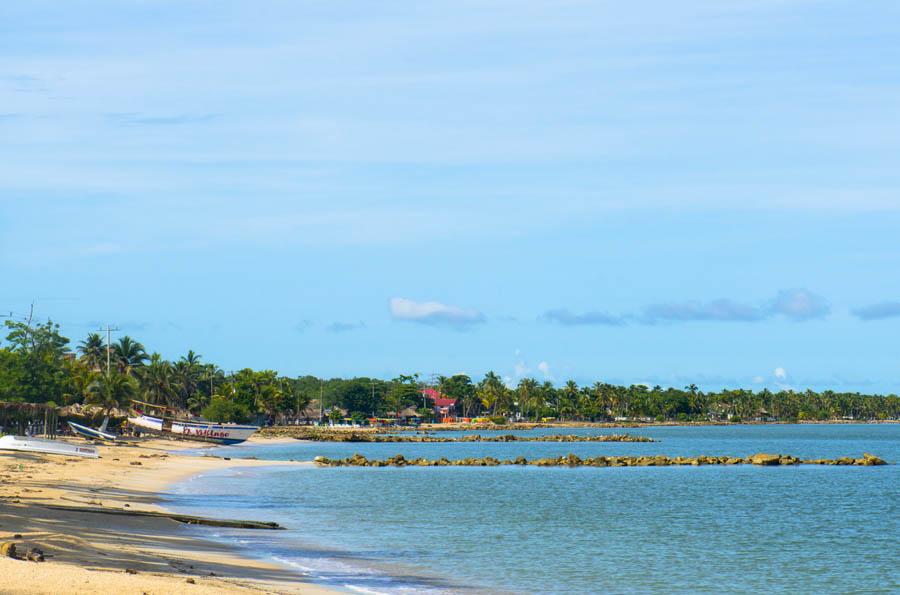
[(28, 323), (109, 330)]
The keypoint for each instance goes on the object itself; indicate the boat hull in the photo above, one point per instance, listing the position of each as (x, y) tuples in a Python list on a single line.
[(87, 432), (51, 447), (197, 431)]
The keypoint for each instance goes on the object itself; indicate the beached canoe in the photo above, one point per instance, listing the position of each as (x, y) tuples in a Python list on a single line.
[(52, 447), (86, 432), (202, 431)]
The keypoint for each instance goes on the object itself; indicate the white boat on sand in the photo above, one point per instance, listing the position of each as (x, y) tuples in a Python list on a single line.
[(166, 424), (92, 433), (51, 447)]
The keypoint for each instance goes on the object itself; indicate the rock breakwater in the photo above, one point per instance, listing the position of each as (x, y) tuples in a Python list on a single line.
[(571, 460)]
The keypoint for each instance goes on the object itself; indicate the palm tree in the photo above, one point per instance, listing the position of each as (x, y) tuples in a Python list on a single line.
[(156, 381), (490, 391), (186, 377), (197, 401), (129, 354), (93, 351), (110, 391), (530, 397), (81, 377)]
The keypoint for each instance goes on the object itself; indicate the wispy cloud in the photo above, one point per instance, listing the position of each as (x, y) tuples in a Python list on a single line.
[(137, 119), (434, 313), (343, 327), (878, 311), (101, 248), (794, 304), (800, 304), (565, 317), (23, 83), (720, 310), (303, 326)]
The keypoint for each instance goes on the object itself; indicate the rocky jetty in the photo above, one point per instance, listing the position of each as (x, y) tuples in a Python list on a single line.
[(571, 460), (332, 435)]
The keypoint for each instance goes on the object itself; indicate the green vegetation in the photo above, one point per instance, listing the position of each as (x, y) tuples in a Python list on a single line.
[(37, 365)]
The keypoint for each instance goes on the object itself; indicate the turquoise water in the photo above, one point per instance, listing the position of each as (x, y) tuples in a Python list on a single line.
[(515, 529)]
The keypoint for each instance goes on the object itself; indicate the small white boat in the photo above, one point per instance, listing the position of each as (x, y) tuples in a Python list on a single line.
[(204, 431), (51, 447), (98, 434)]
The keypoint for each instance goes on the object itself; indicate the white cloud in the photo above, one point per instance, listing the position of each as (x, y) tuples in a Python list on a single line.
[(434, 313), (544, 368), (780, 373)]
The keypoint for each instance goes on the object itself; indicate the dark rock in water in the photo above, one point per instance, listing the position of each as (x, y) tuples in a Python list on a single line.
[(130, 571), (572, 460), (870, 459), (762, 458), (35, 555)]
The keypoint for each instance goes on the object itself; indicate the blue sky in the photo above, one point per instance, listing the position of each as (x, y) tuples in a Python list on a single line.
[(652, 192)]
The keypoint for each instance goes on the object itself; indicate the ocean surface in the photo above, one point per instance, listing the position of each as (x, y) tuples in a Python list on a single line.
[(708, 529)]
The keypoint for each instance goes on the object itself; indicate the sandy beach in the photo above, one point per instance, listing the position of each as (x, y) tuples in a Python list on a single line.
[(90, 553)]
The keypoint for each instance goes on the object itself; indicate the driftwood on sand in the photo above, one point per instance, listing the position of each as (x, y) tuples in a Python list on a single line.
[(181, 518)]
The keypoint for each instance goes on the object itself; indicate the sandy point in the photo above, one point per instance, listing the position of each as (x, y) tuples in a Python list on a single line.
[(93, 553)]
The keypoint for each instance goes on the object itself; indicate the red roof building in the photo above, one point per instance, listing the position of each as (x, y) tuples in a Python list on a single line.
[(444, 408)]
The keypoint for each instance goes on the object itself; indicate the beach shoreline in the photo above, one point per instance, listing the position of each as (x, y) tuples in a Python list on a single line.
[(89, 552)]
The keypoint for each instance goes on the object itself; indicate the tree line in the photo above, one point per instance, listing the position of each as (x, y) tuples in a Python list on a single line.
[(39, 365)]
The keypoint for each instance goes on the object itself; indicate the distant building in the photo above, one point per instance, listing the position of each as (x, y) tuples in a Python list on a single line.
[(444, 407)]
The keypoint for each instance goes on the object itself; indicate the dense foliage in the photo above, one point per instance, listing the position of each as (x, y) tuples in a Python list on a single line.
[(37, 365)]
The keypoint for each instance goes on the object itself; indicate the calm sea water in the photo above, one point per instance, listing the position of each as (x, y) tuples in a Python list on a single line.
[(517, 529)]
